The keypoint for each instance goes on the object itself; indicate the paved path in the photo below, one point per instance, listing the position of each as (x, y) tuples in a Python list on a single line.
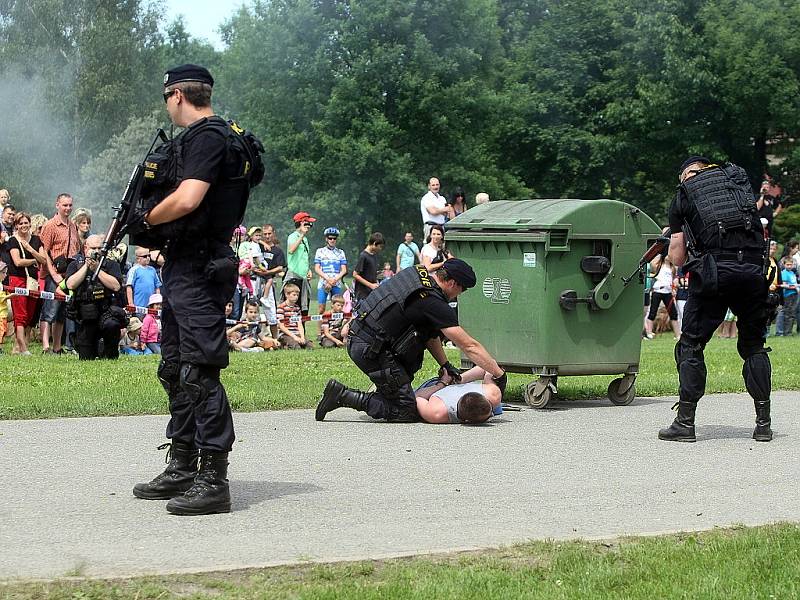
[(352, 488)]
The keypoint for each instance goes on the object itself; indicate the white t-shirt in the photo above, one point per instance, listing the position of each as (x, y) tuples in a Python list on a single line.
[(451, 394), (663, 282), (431, 200)]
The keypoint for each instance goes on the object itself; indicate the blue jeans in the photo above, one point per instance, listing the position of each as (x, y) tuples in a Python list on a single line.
[(785, 320)]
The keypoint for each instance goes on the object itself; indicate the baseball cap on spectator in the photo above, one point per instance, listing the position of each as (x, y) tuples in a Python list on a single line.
[(303, 216), (154, 299), (134, 324), (460, 271), (253, 229)]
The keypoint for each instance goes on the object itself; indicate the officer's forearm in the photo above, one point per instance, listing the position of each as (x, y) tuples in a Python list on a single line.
[(481, 358), (434, 346), (74, 280), (109, 281), (179, 203)]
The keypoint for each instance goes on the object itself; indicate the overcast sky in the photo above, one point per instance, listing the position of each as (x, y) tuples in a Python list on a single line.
[(202, 17)]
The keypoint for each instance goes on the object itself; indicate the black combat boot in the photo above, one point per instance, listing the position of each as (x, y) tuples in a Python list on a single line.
[(336, 396), (763, 431), (682, 428), (210, 492), (176, 478)]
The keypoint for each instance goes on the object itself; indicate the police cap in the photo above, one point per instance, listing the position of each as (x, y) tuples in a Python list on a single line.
[(460, 271), (188, 73), (691, 160)]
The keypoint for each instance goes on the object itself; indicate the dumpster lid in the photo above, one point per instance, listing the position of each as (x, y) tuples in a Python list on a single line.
[(541, 214)]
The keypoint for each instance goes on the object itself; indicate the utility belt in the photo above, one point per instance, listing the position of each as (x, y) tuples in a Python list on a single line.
[(378, 341), (748, 257), (433, 223)]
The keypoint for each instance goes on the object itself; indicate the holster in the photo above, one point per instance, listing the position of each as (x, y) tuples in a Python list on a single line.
[(223, 267), (705, 280)]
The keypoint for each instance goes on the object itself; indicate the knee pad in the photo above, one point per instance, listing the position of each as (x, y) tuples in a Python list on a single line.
[(757, 375), (685, 351), (197, 382), (169, 376), (691, 370)]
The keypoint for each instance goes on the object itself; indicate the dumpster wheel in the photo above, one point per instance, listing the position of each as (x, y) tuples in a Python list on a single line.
[(622, 390), (538, 394)]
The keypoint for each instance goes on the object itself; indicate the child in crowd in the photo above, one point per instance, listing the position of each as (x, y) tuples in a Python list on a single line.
[(247, 337), (245, 280), (785, 322), (151, 326), (292, 334), (3, 304), (131, 343), (333, 333), (387, 271)]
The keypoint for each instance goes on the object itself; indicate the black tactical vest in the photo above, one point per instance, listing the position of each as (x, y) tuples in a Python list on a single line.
[(719, 200), (382, 313), (242, 170)]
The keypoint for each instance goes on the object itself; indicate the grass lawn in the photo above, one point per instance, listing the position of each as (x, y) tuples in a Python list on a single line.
[(53, 386), (761, 562)]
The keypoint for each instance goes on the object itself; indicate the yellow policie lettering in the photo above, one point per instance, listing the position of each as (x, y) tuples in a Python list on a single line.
[(246, 167), (149, 175), (151, 165), (236, 128), (424, 277)]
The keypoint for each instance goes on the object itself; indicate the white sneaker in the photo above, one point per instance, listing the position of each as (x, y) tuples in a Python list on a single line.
[(649, 336)]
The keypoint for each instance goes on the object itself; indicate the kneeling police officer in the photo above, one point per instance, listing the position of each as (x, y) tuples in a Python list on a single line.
[(388, 337), (715, 225), (201, 182), (91, 306)]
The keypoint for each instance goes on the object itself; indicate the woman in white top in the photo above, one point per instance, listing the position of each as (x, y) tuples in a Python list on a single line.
[(662, 292), (434, 253)]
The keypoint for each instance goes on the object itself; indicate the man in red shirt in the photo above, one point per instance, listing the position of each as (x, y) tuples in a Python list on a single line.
[(61, 242)]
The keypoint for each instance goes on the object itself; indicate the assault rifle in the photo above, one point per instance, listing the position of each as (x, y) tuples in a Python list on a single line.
[(119, 224), (657, 248)]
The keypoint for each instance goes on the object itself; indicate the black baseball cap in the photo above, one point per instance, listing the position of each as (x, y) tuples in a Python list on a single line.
[(460, 271), (188, 72), (693, 159)]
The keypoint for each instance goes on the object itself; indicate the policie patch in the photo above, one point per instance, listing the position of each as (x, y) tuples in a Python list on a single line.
[(424, 276)]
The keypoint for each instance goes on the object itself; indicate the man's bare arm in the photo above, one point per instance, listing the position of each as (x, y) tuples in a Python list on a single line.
[(677, 249), (181, 202), (473, 349)]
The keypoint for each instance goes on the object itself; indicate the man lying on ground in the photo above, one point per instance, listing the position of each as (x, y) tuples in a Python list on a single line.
[(471, 401)]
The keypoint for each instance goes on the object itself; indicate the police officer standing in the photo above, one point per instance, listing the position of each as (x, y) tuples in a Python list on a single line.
[(717, 235), (217, 163), (91, 304), (388, 337)]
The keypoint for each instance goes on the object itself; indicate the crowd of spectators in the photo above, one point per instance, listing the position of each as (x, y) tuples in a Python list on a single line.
[(271, 306)]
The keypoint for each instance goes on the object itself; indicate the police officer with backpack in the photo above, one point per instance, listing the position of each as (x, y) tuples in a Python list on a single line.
[(718, 237), (195, 194), (393, 327)]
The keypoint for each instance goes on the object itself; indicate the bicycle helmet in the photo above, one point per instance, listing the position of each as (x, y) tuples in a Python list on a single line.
[(331, 231)]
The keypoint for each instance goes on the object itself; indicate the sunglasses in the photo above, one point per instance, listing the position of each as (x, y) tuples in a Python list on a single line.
[(168, 94), (332, 237)]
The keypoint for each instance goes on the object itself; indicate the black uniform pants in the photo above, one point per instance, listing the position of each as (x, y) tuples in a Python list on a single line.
[(742, 287), (88, 334), (394, 399), (193, 351)]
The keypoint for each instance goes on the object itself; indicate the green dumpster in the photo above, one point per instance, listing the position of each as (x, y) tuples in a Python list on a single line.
[(550, 298)]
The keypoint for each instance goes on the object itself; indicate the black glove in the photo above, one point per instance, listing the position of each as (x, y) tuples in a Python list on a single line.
[(501, 382), (450, 370)]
